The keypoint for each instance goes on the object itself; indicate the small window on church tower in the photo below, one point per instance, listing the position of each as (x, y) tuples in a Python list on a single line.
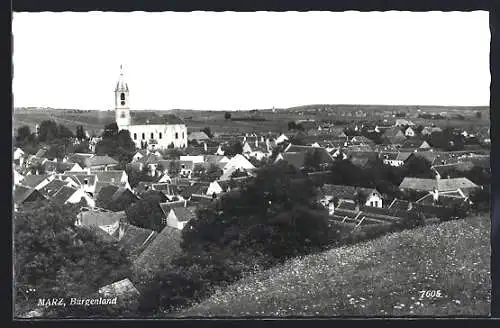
[(122, 96)]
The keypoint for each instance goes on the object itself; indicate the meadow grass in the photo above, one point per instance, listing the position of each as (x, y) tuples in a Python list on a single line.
[(381, 277)]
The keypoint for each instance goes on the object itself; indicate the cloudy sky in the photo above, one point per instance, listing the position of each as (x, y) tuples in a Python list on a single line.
[(230, 61)]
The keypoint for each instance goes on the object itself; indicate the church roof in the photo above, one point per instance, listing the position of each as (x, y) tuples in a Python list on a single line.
[(148, 117)]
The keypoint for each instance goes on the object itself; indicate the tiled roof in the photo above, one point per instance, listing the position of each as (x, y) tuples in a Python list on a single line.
[(345, 192), (419, 184), (99, 161), (33, 180), (149, 159), (80, 177), (160, 252), (63, 194), (23, 194), (134, 239), (52, 187), (147, 117), (166, 207), (97, 218), (185, 214), (109, 176), (123, 289)]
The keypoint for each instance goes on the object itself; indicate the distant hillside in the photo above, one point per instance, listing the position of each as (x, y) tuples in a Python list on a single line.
[(381, 277), (396, 108)]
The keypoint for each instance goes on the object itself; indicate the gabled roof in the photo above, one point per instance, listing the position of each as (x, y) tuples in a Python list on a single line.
[(98, 160), (110, 176), (197, 135), (98, 218), (52, 187), (23, 194), (134, 239), (149, 117), (415, 143), (185, 214), (166, 207), (123, 289), (149, 159), (420, 184), (393, 132), (80, 178), (345, 192), (33, 180), (395, 156), (63, 194), (160, 252)]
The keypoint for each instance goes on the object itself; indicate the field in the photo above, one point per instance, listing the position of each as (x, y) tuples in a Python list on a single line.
[(266, 120), (381, 277)]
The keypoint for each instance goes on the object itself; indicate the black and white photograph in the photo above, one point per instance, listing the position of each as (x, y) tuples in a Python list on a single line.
[(250, 164)]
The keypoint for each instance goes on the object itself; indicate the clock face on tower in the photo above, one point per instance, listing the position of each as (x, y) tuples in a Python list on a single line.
[(123, 103)]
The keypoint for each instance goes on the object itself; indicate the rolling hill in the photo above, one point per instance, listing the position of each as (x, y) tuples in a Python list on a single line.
[(381, 277)]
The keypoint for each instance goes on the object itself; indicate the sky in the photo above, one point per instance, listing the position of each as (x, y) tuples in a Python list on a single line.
[(242, 61)]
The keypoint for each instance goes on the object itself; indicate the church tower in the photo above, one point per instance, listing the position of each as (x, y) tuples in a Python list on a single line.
[(122, 109)]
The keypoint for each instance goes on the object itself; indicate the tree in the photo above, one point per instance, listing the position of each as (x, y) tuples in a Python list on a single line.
[(146, 212), (208, 132), (227, 116), (292, 125), (24, 135), (234, 148), (174, 168), (58, 259), (80, 133), (110, 130), (478, 115), (212, 173), (198, 170), (418, 167), (312, 160), (48, 131)]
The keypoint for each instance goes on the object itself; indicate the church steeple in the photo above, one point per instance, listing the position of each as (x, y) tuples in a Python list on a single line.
[(122, 109)]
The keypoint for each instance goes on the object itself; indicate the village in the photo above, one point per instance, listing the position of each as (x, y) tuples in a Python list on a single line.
[(144, 202)]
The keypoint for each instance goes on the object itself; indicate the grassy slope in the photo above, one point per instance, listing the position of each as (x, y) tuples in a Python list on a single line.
[(381, 277)]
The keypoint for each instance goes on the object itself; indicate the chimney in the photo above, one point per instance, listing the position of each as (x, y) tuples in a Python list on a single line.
[(205, 147), (410, 206)]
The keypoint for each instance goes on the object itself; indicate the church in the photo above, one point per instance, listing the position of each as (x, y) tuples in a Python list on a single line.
[(147, 129)]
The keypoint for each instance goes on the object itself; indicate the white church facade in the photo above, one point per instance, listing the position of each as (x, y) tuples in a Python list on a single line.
[(147, 129)]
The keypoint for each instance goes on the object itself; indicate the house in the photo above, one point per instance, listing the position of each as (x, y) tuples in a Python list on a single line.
[(36, 181), (178, 217), (218, 187), (281, 138), (118, 177), (105, 220), (115, 198), (139, 154), (394, 159), (87, 182), (403, 122), (23, 195), (165, 246), (238, 162), (97, 162), (428, 130), (123, 290), (134, 239), (165, 178), (416, 143), (449, 198), (53, 187), (198, 136), (196, 159), (394, 136), (365, 196), (438, 185), (409, 132), (70, 195)]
